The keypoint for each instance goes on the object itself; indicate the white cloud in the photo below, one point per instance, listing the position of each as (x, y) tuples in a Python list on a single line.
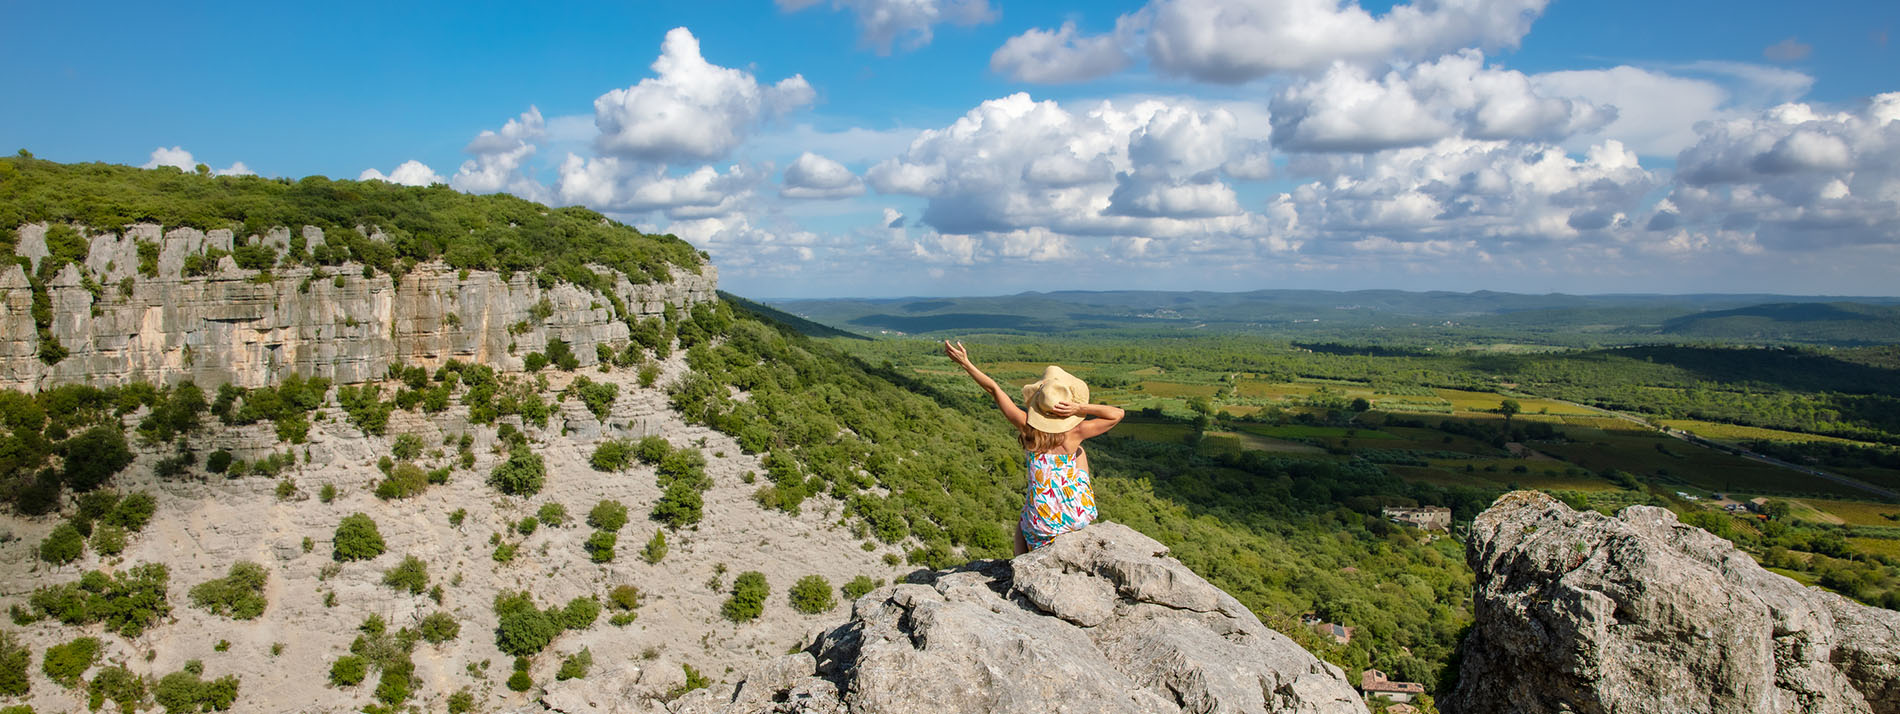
[(882, 23), (1797, 176), (1788, 50), (409, 173), (500, 156), (609, 184), (1349, 110), (1059, 56), (814, 176), (691, 109), (177, 157), (1656, 113), (1233, 41)]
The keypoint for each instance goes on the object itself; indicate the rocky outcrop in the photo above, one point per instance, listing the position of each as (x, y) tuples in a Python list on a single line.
[(1101, 621), (1580, 612), (239, 326)]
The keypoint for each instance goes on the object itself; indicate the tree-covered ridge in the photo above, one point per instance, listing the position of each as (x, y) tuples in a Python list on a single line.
[(492, 232)]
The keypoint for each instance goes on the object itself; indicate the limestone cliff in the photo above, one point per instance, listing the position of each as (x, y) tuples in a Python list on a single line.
[(238, 326), (1581, 612)]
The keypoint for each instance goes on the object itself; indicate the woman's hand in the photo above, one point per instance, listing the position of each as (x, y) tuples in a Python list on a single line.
[(957, 353), (1064, 410)]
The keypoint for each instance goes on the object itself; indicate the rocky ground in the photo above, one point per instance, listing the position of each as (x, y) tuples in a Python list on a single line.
[(203, 526)]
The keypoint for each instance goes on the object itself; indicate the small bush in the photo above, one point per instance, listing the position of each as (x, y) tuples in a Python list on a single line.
[(65, 664), (551, 513), (812, 595), (184, 691), (624, 597), (348, 671), (607, 516), (652, 449), (859, 587), (411, 574), (656, 548), (238, 595), (118, 685), (407, 447), (521, 475), (108, 540), (749, 592), (132, 512), (405, 480), (504, 552), (612, 455), (457, 516), (439, 627), (219, 461), (64, 545), (520, 681), (14, 658), (600, 546), (327, 493), (575, 666), (679, 506), (580, 613), (461, 702), (357, 539), (522, 629), (527, 525)]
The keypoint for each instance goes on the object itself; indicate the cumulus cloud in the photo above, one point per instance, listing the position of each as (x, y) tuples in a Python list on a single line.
[(1799, 176), (409, 173), (177, 157), (691, 109), (1063, 55), (500, 156), (1234, 41), (609, 184), (1347, 109), (1656, 113), (883, 23), (814, 176)]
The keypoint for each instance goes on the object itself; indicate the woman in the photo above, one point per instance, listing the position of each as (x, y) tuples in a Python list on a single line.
[(1051, 425)]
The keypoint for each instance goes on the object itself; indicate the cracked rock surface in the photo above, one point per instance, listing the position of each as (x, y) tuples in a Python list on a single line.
[(1581, 612), (1101, 621)]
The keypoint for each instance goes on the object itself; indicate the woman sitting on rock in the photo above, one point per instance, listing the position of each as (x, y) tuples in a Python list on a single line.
[(1051, 425)]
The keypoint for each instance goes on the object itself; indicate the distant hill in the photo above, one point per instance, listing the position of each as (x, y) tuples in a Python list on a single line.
[(801, 325), (1832, 322), (1380, 315)]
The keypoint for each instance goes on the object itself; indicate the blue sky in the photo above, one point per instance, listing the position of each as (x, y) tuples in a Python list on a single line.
[(916, 147)]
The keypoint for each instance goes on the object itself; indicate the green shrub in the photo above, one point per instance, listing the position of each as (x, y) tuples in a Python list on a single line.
[(127, 604), (607, 515), (624, 597), (652, 449), (184, 691), (118, 685), (238, 595), (656, 548), (404, 481), (600, 546), (64, 545), (94, 456), (694, 680), (327, 493), (461, 702), (357, 539), (679, 506), (219, 461), (527, 525), (133, 511), (812, 595), (561, 355), (580, 613), (649, 374), (457, 516), (439, 627), (521, 475), (504, 552), (612, 455), (108, 540), (408, 447), (520, 681), (551, 513), (65, 664), (14, 658), (411, 574), (575, 666), (348, 671), (521, 629), (749, 592), (859, 587), (598, 396)]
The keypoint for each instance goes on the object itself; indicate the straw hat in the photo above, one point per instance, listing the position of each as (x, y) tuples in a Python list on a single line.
[(1055, 387)]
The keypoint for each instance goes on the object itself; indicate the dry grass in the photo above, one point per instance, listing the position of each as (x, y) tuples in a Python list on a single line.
[(1734, 432)]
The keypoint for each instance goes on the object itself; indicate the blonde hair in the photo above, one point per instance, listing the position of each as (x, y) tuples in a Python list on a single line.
[(1039, 441)]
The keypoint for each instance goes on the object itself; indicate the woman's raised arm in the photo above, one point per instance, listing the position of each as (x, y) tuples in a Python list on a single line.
[(961, 356)]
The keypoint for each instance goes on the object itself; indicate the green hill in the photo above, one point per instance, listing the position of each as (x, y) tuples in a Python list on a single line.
[(1833, 322)]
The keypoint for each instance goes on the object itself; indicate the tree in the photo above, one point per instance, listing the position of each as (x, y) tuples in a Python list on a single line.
[(1777, 509), (64, 545), (749, 592), (94, 456), (411, 574), (600, 546), (66, 663), (1509, 408), (521, 475), (655, 551), (608, 515), (439, 627), (14, 658), (357, 539)]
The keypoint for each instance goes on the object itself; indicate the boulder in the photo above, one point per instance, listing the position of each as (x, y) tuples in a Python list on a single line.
[(1581, 612), (1101, 621)]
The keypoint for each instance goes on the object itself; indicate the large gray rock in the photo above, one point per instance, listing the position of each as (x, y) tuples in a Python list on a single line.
[(242, 327), (1581, 612), (1101, 621)]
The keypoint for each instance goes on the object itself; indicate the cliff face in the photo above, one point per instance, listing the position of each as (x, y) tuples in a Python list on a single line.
[(1101, 621), (235, 326), (1580, 612)]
